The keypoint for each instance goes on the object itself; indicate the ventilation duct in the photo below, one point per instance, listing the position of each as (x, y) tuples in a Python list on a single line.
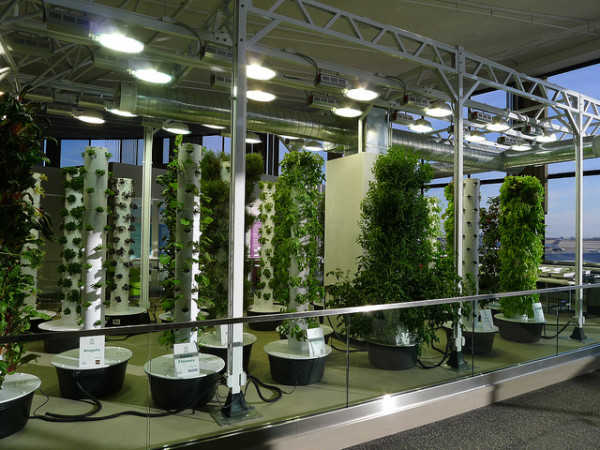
[(192, 106)]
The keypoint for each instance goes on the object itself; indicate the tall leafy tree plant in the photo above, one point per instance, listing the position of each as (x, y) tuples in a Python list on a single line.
[(21, 149), (400, 262), (489, 272), (297, 232), (521, 227)]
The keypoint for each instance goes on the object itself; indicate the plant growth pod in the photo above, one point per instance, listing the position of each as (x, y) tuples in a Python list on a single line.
[(121, 190), (72, 240), (95, 186), (263, 295), (27, 269), (187, 236)]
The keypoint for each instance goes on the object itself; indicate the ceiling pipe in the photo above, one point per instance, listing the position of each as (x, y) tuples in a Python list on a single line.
[(198, 107)]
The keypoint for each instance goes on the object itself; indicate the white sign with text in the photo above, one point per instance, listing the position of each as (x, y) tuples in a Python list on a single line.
[(91, 352), (538, 312), (186, 360), (316, 342), (487, 323)]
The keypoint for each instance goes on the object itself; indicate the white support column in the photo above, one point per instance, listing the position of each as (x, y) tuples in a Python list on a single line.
[(236, 405), (456, 359), (95, 184), (470, 241), (578, 332), (146, 208)]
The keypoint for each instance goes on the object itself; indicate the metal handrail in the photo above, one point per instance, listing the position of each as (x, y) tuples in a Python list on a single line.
[(149, 328)]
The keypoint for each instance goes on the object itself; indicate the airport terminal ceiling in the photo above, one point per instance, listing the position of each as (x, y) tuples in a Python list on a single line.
[(400, 48)]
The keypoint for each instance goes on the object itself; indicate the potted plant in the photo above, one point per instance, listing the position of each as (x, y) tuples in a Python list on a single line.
[(184, 257), (400, 263), (521, 227), (21, 150)]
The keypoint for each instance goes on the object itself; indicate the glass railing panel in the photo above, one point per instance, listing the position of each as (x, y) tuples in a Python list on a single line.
[(571, 336)]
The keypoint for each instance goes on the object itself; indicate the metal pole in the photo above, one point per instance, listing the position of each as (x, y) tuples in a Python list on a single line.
[(236, 406), (146, 207), (578, 332)]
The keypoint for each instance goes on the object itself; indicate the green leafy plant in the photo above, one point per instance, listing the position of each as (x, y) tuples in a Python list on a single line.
[(21, 139), (400, 263), (489, 258), (297, 234), (521, 227)]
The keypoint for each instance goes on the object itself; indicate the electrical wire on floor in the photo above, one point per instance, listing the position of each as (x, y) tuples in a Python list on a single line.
[(443, 352), (343, 339), (558, 332), (90, 416)]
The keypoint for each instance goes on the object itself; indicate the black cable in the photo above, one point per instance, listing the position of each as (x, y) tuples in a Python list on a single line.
[(258, 384), (556, 335), (445, 353)]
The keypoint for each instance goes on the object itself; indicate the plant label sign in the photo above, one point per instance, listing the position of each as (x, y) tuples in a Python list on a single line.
[(487, 322), (91, 352), (186, 360), (538, 312), (316, 342)]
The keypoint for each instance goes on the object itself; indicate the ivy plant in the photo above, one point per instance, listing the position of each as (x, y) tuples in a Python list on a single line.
[(521, 227), (21, 138)]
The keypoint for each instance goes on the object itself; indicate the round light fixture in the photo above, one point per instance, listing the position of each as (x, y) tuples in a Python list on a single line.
[(347, 111), (498, 124), (289, 138), (258, 72), (152, 76), (313, 146), (438, 109), (361, 94), (93, 117), (252, 138), (118, 112), (421, 126), (119, 42), (176, 128), (214, 127), (260, 96), (474, 136), (520, 146), (548, 136)]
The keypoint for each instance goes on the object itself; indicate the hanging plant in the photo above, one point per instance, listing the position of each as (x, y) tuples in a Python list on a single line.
[(401, 262), (21, 139), (297, 236), (521, 227)]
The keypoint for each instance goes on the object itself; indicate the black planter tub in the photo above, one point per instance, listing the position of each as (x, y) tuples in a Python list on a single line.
[(133, 315), (97, 381), (292, 368), (392, 357), (172, 392), (59, 345), (519, 330), (16, 396), (484, 339), (34, 322), (262, 311), (210, 343)]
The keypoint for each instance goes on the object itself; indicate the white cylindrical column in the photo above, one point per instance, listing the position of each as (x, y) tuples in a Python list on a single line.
[(71, 269), (122, 192), (95, 185), (263, 297), (470, 240), (187, 236)]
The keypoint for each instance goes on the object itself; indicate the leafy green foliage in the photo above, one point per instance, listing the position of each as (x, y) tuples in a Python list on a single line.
[(400, 263), (21, 139), (489, 272), (521, 226)]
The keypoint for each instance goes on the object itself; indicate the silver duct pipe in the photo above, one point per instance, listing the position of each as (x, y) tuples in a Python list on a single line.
[(194, 106)]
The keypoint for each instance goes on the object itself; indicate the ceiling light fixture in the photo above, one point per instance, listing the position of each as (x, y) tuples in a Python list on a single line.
[(176, 128), (119, 42), (118, 112), (313, 146), (514, 143), (214, 127), (547, 136), (347, 111), (89, 116), (520, 146), (438, 109), (498, 124), (258, 72), (421, 126), (260, 96), (474, 136), (361, 94), (252, 138), (289, 138), (152, 76)]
